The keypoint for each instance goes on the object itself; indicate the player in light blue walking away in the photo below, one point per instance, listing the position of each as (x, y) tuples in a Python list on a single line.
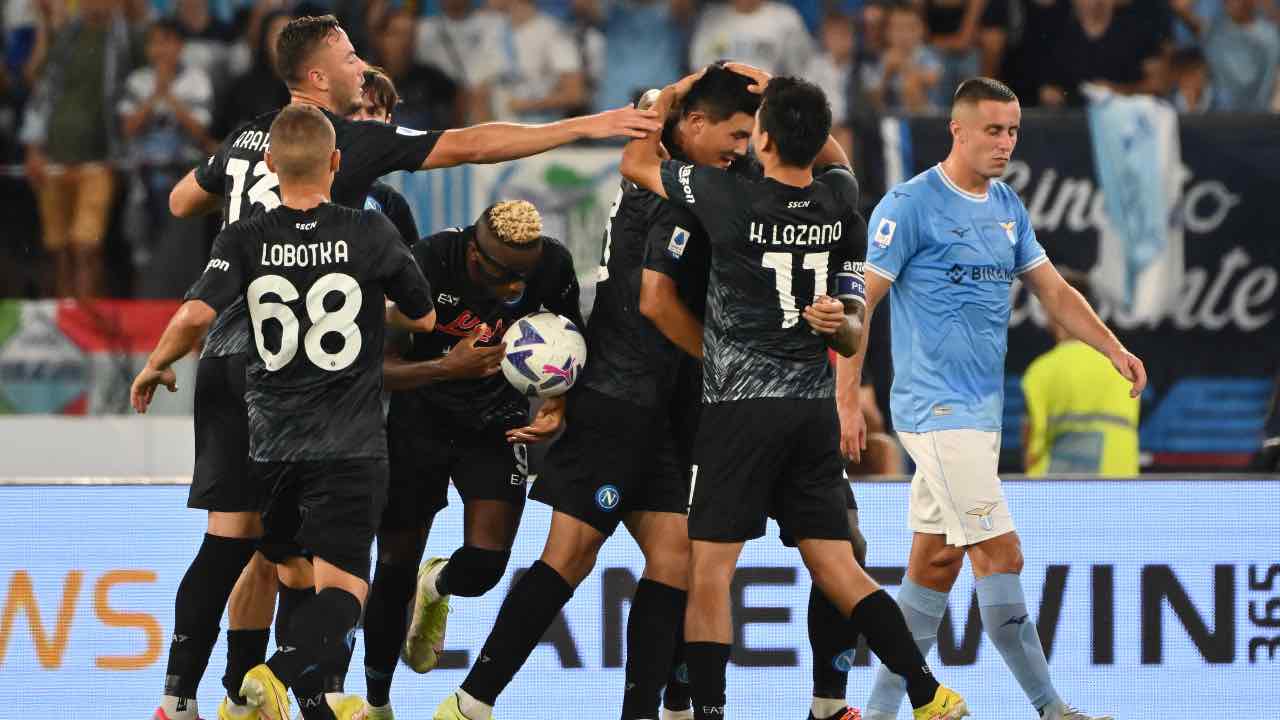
[(946, 246)]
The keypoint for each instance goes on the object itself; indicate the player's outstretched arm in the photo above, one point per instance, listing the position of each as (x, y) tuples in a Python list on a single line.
[(499, 142), (1067, 307), (188, 199), (185, 329)]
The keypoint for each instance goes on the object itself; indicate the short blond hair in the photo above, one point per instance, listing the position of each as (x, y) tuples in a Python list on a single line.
[(302, 141), (514, 222)]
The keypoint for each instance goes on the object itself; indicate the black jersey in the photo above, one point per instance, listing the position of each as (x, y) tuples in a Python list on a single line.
[(387, 200), (461, 306), (238, 172), (629, 358), (313, 282), (774, 248)]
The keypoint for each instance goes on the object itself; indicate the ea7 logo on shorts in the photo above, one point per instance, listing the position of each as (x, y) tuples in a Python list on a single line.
[(218, 264), (608, 497), (884, 232), (983, 513), (679, 240), (685, 177)]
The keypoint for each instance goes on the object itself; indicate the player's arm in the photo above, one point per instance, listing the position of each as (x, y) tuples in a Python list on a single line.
[(1067, 307), (660, 302), (188, 199), (398, 320), (499, 142), (642, 157), (219, 285)]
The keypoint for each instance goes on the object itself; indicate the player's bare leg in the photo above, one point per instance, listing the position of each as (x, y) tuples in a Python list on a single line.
[(249, 613), (229, 543), (708, 624), (654, 625), (932, 571)]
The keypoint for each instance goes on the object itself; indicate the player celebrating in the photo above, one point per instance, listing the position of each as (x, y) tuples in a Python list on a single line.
[(313, 275), (673, 297), (316, 60), (454, 416), (768, 440), (945, 246)]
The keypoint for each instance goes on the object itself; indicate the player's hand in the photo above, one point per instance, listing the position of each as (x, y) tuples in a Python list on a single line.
[(685, 84), (825, 315), (1128, 365), (545, 424), (144, 386), (853, 432), (466, 361), (623, 122), (759, 78)]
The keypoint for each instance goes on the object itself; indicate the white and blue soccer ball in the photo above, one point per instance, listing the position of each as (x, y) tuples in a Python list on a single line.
[(545, 354)]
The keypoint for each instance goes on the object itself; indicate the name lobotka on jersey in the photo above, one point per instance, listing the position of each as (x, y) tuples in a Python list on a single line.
[(312, 283)]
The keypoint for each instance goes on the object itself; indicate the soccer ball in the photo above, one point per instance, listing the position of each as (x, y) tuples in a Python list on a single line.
[(545, 354)]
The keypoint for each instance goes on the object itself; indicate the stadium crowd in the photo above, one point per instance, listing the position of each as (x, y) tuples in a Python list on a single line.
[(104, 104)]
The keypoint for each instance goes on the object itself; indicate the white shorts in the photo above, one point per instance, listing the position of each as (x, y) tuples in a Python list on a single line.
[(955, 491)]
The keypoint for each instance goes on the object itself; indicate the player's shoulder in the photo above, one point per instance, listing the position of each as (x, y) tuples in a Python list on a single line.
[(1000, 191), (840, 180), (906, 197), (555, 253), (443, 248)]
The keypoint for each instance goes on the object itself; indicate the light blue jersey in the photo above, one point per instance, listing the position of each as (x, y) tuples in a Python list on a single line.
[(951, 256)]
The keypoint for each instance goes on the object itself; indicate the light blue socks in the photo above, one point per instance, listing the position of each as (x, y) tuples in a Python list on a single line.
[(923, 609), (1009, 625)]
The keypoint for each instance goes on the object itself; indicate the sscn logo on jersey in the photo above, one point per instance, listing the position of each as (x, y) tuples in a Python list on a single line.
[(608, 497)]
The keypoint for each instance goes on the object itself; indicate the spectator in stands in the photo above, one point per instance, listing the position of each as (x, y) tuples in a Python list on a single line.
[(465, 44), (1103, 45), (165, 113), (541, 77), (429, 99), (873, 17), (770, 35), (646, 45), (1243, 49), (1080, 418), (259, 89), (969, 37), (208, 41), (72, 136), (832, 70), (586, 33), (1192, 91), (908, 70)]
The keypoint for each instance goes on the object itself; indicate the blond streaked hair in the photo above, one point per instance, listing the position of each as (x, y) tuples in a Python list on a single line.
[(515, 223)]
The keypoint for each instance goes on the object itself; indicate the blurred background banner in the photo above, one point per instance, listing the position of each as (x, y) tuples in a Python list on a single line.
[(1143, 613), (1138, 158)]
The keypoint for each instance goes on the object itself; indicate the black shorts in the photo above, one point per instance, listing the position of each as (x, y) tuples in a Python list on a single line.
[(769, 457), (614, 458), (427, 451), (221, 481), (325, 508)]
